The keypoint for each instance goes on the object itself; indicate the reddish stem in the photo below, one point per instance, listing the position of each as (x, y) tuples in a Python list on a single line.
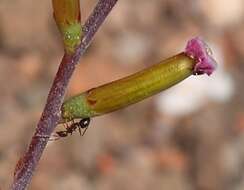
[(51, 114)]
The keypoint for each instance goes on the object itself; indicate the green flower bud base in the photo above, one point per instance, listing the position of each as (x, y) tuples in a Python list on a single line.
[(72, 35), (77, 107)]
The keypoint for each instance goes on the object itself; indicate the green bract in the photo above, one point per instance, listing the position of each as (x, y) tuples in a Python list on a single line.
[(72, 37)]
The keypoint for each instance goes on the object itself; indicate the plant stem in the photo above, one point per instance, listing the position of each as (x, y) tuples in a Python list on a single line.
[(51, 114)]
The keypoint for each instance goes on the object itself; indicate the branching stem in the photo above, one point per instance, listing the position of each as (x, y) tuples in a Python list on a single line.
[(51, 113)]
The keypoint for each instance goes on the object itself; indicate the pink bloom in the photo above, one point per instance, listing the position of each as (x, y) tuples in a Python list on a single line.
[(197, 49)]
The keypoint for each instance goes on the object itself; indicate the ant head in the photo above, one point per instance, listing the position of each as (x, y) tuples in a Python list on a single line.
[(84, 122)]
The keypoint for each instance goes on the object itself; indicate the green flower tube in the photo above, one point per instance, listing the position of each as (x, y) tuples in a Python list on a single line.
[(134, 88)]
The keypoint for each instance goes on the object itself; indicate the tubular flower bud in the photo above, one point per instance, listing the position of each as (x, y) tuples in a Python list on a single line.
[(134, 88), (67, 17)]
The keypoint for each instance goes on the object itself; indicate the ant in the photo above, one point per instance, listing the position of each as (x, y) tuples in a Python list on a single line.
[(82, 124)]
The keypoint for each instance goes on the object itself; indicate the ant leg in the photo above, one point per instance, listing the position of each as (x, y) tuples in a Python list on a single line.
[(42, 136), (79, 130), (66, 125), (72, 121), (54, 137), (72, 124), (84, 131)]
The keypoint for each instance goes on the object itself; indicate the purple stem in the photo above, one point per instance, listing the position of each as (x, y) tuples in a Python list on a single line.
[(51, 114)]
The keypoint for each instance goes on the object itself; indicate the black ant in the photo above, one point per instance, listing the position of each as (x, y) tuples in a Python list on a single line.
[(82, 124)]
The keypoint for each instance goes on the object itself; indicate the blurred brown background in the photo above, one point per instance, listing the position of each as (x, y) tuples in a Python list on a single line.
[(187, 138)]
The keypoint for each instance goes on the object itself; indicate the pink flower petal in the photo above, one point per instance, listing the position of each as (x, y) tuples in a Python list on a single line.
[(197, 49)]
